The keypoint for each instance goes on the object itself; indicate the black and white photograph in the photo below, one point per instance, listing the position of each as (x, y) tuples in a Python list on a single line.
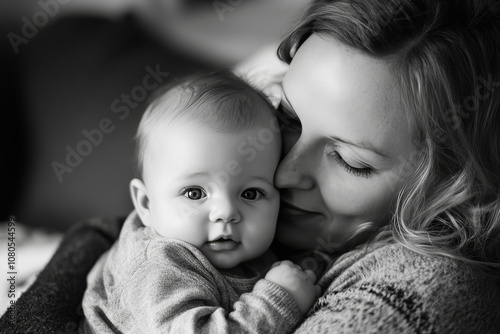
[(250, 166)]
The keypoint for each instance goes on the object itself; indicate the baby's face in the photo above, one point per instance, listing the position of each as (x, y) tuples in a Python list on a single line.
[(214, 190)]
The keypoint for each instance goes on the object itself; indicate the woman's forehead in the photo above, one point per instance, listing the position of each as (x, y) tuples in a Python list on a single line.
[(331, 70), (339, 92)]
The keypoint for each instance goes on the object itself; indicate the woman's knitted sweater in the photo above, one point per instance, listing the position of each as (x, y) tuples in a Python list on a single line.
[(390, 289)]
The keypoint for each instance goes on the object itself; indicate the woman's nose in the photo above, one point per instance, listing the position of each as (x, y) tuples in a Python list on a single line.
[(296, 168), (224, 211)]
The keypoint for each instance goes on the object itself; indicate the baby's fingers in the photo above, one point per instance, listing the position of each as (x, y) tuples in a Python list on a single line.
[(311, 276), (288, 263), (275, 264)]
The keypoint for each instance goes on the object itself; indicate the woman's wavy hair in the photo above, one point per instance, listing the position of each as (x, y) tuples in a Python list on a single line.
[(446, 58)]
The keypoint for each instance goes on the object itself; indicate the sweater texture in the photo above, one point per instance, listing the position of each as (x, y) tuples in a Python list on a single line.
[(386, 288), (150, 284), (379, 289)]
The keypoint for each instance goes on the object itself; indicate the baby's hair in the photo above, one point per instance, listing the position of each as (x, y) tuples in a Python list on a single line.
[(445, 56), (217, 99)]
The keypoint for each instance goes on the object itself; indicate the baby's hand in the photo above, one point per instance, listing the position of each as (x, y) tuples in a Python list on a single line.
[(297, 282)]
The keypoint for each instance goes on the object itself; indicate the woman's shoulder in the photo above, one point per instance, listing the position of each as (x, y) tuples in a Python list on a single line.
[(391, 288), (395, 262)]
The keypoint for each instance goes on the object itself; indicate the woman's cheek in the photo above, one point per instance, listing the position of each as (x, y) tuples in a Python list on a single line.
[(358, 196), (377, 199)]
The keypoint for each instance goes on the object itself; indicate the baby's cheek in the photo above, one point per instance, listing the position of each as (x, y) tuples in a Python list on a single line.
[(267, 230), (188, 212), (180, 221)]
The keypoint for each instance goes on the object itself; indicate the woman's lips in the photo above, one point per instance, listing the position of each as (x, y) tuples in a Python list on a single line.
[(221, 245)]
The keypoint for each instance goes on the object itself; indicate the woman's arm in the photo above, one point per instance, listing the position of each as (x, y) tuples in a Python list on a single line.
[(366, 309), (391, 289), (52, 303)]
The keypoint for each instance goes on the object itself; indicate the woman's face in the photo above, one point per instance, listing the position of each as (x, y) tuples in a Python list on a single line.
[(348, 144)]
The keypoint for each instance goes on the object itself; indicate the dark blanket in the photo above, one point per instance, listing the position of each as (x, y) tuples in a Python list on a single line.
[(53, 303)]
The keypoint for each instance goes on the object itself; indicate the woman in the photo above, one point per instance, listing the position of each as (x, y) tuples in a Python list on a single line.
[(393, 147), (391, 166)]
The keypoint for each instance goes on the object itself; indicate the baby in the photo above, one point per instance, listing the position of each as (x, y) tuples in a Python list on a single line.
[(193, 257)]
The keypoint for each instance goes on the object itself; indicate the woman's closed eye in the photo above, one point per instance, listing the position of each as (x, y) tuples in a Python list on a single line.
[(356, 171), (194, 193), (253, 194)]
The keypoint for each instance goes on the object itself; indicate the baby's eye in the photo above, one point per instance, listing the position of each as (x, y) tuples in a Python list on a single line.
[(252, 194), (194, 193)]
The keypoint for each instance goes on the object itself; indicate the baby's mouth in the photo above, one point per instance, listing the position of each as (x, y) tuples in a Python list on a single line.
[(223, 244)]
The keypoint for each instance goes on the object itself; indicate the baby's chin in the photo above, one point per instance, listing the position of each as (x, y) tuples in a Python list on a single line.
[(235, 269), (228, 266), (223, 260), (228, 262)]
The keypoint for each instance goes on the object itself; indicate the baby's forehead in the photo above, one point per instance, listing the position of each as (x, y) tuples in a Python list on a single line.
[(180, 131), (224, 106), (202, 148), (235, 114)]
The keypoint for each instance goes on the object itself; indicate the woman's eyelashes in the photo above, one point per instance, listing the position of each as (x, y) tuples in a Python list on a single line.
[(291, 122), (196, 193), (364, 172)]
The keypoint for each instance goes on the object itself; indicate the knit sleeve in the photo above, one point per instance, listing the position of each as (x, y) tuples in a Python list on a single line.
[(367, 309), (186, 296), (390, 289)]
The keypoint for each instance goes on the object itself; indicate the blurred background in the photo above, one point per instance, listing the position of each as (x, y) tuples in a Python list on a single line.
[(75, 76)]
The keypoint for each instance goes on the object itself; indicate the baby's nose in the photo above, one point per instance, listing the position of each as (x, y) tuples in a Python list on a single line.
[(224, 211)]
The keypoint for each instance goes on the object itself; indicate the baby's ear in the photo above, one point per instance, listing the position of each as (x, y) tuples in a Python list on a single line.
[(140, 199)]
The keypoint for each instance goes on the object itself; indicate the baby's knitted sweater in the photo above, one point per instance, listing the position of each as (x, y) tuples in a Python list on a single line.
[(149, 284), (390, 289)]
